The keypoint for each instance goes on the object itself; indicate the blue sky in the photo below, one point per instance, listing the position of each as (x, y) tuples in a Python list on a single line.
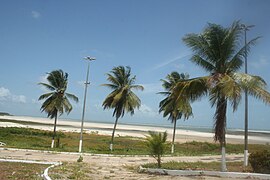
[(40, 36)]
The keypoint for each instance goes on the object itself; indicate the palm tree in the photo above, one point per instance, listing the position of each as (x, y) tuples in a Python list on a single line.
[(56, 102), (169, 106), (217, 50), (122, 99), (156, 144)]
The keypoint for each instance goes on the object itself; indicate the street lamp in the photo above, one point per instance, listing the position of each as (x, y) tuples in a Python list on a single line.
[(246, 28), (84, 101)]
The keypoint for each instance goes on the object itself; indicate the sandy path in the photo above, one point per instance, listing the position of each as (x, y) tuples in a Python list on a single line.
[(111, 167)]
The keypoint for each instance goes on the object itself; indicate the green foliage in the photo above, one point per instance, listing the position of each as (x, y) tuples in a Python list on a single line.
[(27, 132), (56, 101), (172, 106), (93, 143), (23, 171), (156, 144), (122, 98), (260, 161), (4, 114)]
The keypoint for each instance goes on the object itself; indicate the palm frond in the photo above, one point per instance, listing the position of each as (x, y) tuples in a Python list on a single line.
[(47, 86), (172, 106), (56, 102), (73, 97), (208, 66), (254, 85), (193, 89), (137, 87), (44, 96), (121, 99)]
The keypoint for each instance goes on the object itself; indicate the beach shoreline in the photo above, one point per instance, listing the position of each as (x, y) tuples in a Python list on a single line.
[(139, 131)]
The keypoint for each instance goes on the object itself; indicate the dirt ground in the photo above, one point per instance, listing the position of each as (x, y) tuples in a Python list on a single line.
[(111, 167)]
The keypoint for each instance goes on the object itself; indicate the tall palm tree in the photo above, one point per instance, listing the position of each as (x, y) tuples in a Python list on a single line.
[(122, 99), (169, 106), (218, 50), (56, 102)]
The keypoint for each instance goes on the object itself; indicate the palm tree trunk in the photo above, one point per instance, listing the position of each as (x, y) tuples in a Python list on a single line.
[(220, 129), (223, 154), (159, 161), (54, 130), (115, 123), (174, 128)]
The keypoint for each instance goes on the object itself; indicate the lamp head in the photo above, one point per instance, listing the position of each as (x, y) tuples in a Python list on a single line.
[(246, 27), (90, 58)]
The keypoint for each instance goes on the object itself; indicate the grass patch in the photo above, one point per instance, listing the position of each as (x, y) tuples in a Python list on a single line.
[(195, 148), (209, 166), (12, 170), (27, 138), (80, 171)]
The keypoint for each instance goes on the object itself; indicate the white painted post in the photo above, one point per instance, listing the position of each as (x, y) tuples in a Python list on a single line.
[(52, 145), (111, 147), (245, 157), (223, 160), (172, 150)]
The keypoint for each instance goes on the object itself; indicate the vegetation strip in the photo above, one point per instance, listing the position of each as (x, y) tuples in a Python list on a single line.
[(27, 138), (45, 174)]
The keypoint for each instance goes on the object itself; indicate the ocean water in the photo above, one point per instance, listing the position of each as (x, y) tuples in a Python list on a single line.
[(207, 129)]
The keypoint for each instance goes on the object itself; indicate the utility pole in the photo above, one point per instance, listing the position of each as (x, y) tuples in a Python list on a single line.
[(246, 28), (84, 101)]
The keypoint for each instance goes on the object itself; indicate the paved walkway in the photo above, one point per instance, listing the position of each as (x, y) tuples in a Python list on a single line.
[(114, 166)]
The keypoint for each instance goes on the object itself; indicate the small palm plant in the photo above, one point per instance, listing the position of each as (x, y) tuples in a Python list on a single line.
[(174, 108), (156, 143), (56, 102), (122, 99)]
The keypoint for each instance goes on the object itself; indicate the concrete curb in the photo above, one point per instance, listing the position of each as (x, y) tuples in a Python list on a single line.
[(205, 173), (74, 153), (45, 175), (101, 155)]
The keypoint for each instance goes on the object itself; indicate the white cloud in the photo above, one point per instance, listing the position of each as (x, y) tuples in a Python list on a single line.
[(6, 95), (19, 98), (81, 83), (43, 79), (35, 14), (167, 62), (145, 110), (152, 88), (179, 66), (262, 62)]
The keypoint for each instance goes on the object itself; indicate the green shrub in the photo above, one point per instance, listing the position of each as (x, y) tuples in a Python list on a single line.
[(80, 159), (260, 161)]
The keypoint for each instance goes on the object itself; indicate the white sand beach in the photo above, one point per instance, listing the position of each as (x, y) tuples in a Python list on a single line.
[(125, 130)]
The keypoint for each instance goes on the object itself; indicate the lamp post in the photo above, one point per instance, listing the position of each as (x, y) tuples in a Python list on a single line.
[(246, 28), (84, 101)]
